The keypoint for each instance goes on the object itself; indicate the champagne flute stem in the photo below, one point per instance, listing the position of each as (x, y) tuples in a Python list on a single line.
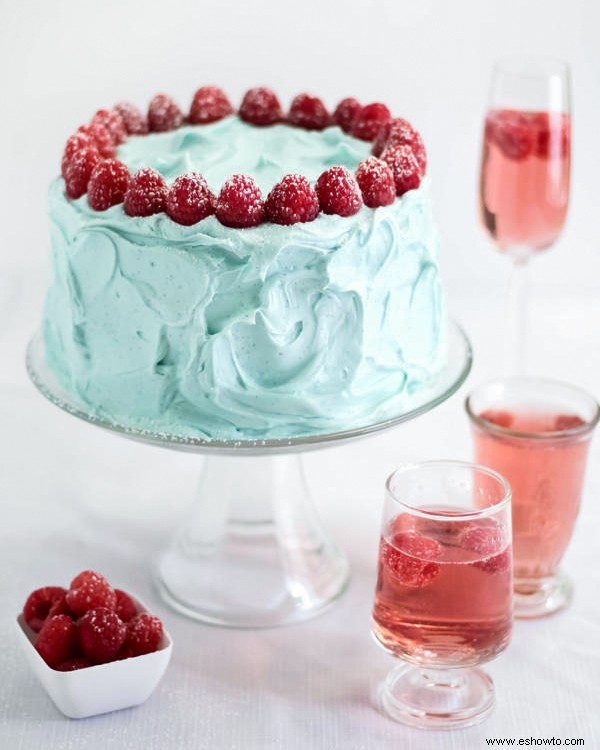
[(517, 315)]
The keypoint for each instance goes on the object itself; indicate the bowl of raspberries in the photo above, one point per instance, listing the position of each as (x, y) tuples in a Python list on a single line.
[(94, 648)]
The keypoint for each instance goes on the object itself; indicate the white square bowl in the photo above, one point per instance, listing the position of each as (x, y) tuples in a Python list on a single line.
[(103, 687)]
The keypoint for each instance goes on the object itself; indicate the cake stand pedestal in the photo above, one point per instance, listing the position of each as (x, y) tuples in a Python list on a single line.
[(252, 551)]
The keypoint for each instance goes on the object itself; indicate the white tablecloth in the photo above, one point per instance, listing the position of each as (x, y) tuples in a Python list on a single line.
[(75, 497)]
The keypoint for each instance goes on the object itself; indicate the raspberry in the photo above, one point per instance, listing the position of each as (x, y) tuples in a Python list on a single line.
[(369, 120), (125, 608), (376, 182), (189, 199), (144, 635), (395, 132), (113, 122), (101, 634), (418, 148), (74, 143), (146, 194), (58, 640), (108, 184), (101, 138), (512, 132), (134, 121), (292, 200), (38, 605), (79, 169), (409, 558), (345, 112), (308, 112), (60, 607), (568, 422), (498, 417), (89, 590), (487, 541), (338, 192), (77, 662), (553, 134), (240, 203), (163, 114), (404, 166), (208, 105), (260, 106)]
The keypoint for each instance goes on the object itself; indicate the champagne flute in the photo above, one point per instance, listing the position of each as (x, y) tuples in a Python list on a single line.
[(525, 173)]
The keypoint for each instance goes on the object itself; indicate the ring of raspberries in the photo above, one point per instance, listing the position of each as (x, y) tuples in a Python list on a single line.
[(89, 623), (89, 164)]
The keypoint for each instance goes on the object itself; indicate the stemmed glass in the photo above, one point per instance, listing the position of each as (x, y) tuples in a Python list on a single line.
[(525, 168), (443, 600)]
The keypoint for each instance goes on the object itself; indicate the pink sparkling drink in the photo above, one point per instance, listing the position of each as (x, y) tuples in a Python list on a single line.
[(444, 590), (525, 170), (443, 598), (537, 435)]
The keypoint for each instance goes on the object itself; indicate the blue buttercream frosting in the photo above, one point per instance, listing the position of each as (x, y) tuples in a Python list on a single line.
[(273, 331)]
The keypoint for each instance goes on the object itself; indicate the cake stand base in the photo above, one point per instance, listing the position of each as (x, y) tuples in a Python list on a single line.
[(252, 552)]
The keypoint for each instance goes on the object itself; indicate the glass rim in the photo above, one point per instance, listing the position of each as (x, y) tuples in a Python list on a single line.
[(451, 464), (515, 65), (570, 432)]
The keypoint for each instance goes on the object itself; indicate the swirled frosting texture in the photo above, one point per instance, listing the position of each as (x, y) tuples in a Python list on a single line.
[(264, 332)]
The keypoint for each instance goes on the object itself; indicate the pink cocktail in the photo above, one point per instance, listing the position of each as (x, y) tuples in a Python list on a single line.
[(525, 169), (536, 433), (443, 599)]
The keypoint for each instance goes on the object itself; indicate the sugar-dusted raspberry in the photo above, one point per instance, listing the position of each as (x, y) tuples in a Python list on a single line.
[(260, 106), (79, 169), (512, 131), (369, 120), (308, 112), (338, 192), (163, 114), (101, 137), (146, 194), (568, 422), (134, 120), (101, 634), (58, 640), (189, 199), (240, 203), (418, 149), (376, 182), (498, 417), (345, 112), (89, 590), (125, 608), (209, 104), (108, 184), (71, 665), (395, 132), (404, 166), (113, 122), (292, 200), (144, 635), (74, 143), (411, 558), (487, 541), (38, 605)]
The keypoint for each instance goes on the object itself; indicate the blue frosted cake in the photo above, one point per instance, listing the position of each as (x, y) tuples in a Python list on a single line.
[(248, 275)]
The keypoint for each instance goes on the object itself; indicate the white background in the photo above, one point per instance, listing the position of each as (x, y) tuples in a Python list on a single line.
[(72, 498)]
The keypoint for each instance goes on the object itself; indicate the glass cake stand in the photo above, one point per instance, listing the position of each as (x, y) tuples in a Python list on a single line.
[(252, 551)]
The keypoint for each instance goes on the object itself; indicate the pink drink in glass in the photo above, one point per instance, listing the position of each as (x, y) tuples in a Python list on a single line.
[(444, 590), (536, 433), (524, 188), (546, 477)]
